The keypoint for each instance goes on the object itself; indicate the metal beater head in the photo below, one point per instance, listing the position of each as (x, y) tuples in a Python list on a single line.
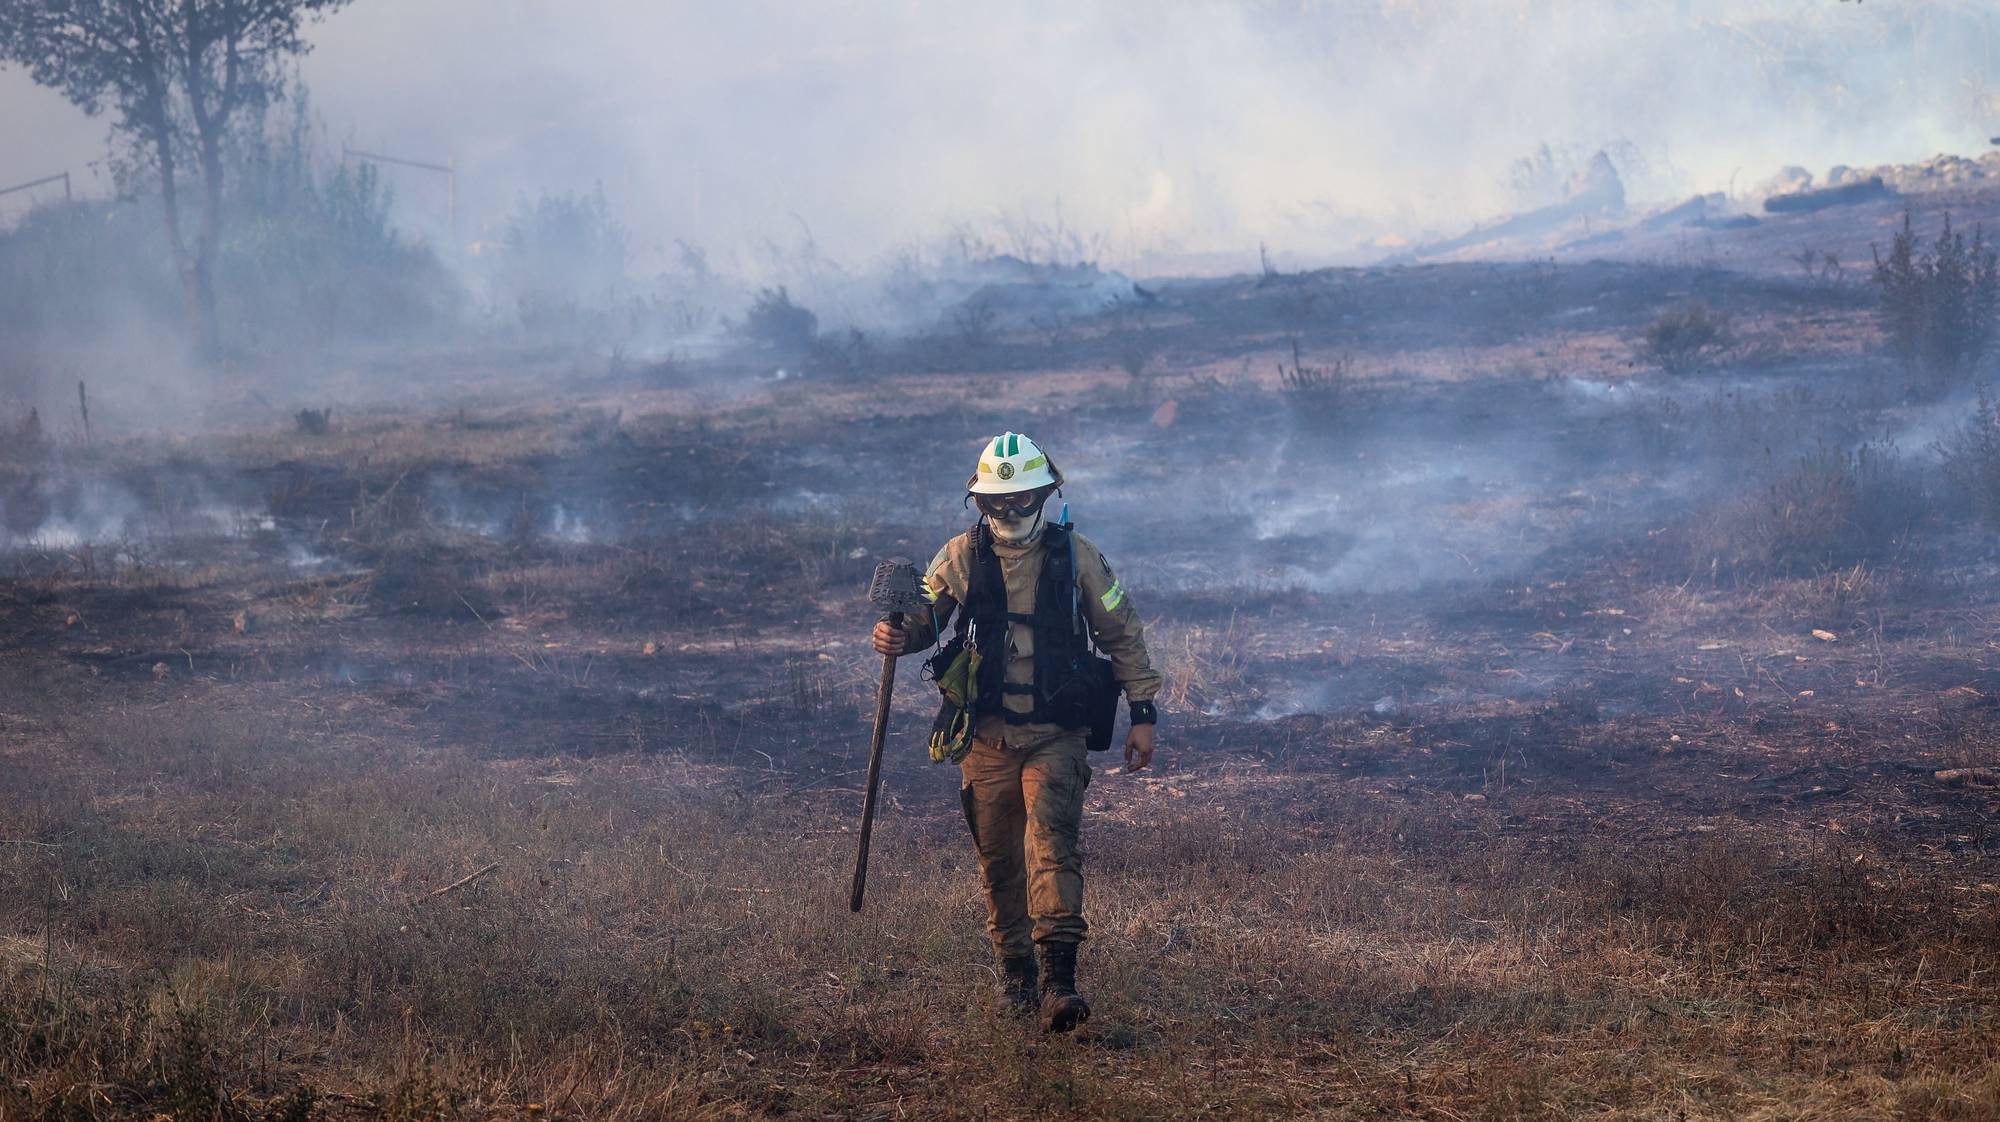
[(896, 587)]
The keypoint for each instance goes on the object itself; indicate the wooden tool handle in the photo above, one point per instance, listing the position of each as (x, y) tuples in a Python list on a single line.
[(882, 696)]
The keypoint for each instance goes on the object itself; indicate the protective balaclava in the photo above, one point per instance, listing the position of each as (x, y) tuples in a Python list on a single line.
[(1015, 519)]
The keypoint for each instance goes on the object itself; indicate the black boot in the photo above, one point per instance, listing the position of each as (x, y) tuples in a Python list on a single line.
[(1017, 984), (1062, 1007)]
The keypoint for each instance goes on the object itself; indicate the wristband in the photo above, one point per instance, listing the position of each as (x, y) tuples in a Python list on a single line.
[(1143, 713)]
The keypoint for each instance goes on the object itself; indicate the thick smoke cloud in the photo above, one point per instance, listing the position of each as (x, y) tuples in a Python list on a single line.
[(1162, 131)]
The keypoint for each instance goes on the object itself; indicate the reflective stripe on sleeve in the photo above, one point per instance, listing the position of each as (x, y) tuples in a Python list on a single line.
[(1113, 596), (934, 582)]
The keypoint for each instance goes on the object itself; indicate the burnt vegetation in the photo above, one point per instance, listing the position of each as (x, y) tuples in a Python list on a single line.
[(774, 321), (1314, 388), (1579, 702)]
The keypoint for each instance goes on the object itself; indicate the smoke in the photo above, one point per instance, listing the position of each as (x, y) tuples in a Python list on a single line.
[(1159, 131), (1156, 130), (876, 159), (62, 508)]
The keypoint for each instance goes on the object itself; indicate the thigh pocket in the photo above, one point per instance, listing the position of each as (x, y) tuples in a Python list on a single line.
[(965, 804)]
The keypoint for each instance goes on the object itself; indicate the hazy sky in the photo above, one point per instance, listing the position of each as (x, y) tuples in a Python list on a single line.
[(1196, 126)]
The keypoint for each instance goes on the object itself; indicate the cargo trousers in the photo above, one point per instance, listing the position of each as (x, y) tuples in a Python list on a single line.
[(1023, 791)]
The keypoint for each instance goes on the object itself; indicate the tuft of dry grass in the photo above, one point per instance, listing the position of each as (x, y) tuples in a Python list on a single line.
[(1204, 668)]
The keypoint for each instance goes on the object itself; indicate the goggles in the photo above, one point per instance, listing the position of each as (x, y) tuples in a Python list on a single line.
[(1020, 504)]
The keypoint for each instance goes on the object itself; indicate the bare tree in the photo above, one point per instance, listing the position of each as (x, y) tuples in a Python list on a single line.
[(177, 75)]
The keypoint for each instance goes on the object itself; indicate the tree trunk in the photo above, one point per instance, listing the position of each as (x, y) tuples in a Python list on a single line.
[(208, 239), (197, 285), (210, 118), (207, 332)]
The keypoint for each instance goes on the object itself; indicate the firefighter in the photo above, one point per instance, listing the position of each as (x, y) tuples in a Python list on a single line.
[(1031, 596)]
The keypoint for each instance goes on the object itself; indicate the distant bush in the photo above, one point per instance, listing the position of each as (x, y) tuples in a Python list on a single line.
[(774, 321), (308, 255), (974, 320), (339, 213), (312, 253), (25, 438), (1684, 339), (562, 259), (1971, 461), (86, 268), (1939, 302), (842, 355)]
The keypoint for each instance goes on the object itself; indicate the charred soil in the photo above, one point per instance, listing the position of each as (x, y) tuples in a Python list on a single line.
[(1523, 753)]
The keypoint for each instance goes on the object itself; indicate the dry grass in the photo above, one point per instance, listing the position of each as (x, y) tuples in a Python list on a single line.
[(1623, 843), (221, 907), (1205, 667)]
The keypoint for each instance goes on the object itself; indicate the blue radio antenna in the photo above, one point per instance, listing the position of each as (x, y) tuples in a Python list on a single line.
[(1075, 604)]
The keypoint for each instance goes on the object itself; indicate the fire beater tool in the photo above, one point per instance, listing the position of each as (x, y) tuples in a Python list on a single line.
[(895, 589)]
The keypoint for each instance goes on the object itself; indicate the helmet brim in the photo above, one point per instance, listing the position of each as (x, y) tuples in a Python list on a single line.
[(984, 484)]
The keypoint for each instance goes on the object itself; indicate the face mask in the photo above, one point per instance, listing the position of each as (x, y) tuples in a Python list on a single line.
[(1015, 518), (1016, 531)]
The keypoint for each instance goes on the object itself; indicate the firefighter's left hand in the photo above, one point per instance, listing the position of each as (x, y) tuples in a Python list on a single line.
[(1138, 747)]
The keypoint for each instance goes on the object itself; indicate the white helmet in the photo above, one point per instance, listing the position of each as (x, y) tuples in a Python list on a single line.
[(1011, 463)]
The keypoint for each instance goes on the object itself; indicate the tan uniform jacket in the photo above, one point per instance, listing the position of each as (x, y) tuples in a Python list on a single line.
[(1107, 609)]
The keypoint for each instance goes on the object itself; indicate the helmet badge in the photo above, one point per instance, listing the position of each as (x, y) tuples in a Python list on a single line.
[(1006, 470)]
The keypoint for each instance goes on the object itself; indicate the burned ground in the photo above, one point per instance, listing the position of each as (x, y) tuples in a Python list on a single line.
[(1538, 742)]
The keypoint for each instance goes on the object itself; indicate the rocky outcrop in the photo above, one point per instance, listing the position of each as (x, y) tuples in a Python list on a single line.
[(1939, 173)]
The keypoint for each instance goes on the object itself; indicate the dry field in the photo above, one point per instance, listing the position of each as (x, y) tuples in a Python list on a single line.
[(1545, 736)]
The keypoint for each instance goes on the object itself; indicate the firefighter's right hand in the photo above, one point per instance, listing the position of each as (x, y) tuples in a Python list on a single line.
[(890, 639)]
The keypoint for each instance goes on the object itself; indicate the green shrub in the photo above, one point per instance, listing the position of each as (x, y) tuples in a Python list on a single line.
[(1939, 302), (310, 251), (1971, 461)]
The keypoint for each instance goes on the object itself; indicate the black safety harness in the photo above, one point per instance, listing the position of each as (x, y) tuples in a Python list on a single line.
[(1065, 674)]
